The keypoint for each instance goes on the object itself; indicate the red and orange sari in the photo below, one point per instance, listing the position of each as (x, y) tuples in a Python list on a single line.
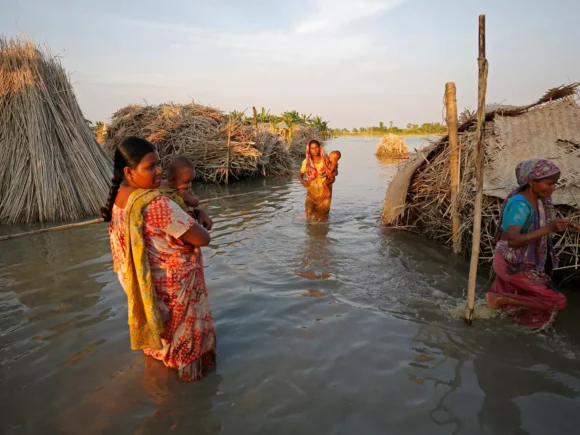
[(169, 315)]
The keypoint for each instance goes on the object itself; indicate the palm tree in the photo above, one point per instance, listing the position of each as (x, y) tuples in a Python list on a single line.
[(291, 119), (304, 119)]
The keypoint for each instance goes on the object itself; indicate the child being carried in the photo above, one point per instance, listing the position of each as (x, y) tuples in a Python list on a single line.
[(331, 170), (180, 175)]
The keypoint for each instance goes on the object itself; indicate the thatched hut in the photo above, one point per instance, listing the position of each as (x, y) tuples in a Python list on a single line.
[(418, 197), (222, 147), (392, 146), (52, 167)]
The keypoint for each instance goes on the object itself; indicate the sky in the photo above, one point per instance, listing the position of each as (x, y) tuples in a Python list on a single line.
[(353, 62)]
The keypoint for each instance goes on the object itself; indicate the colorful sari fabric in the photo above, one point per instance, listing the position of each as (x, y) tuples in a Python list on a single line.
[(523, 284), (163, 277), (318, 195)]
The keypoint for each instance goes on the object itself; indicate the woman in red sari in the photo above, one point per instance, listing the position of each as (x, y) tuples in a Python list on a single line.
[(524, 258), (155, 247)]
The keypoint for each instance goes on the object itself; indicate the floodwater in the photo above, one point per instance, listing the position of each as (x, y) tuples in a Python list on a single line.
[(328, 328)]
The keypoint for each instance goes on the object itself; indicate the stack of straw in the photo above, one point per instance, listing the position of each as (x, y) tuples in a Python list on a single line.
[(52, 169), (201, 133), (392, 146), (300, 137)]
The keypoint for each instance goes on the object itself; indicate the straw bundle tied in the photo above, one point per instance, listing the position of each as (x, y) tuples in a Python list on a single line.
[(201, 134), (52, 167), (392, 146), (300, 137), (419, 195)]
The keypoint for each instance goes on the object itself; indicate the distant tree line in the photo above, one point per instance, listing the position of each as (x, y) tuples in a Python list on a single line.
[(434, 128)]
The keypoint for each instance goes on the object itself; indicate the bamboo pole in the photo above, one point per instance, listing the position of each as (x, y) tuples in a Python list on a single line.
[(454, 161), (228, 154), (257, 133), (479, 154), (100, 220)]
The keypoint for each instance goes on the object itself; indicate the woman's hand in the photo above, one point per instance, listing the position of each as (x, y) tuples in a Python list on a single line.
[(559, 225), (305, 183), (204, 220), (574, 225)]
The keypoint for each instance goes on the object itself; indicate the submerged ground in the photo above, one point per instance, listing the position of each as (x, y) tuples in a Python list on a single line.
[(334, 328)]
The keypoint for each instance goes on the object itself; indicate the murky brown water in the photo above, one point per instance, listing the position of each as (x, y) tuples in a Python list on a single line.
[(334, 328)]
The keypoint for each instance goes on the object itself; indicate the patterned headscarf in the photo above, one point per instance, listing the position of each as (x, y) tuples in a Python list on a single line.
[(311, 172), (526, 171), (534, 169)]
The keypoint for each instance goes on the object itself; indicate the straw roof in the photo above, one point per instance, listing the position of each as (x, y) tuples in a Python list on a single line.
[(52, 167), (418, 197), (201, 133)]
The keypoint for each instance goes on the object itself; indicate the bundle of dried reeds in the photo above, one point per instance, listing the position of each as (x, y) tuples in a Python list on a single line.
[(52, 168), (392, 146), (300, 137), (201, 133)]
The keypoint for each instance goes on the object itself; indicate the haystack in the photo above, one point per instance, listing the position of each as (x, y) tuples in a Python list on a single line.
[(392, 146), (300, 137), (52, 167), (419, 195), (201, 133)]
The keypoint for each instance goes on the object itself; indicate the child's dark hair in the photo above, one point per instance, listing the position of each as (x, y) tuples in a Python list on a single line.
[(128, 153), (176, 163), (183, 161)]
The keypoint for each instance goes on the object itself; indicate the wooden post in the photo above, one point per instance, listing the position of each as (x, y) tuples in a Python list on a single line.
[(228, 154), (479, 154), (454, 162)]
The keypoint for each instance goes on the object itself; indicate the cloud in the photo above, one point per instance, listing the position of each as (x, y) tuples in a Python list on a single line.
[(313, 42), (331, 15)]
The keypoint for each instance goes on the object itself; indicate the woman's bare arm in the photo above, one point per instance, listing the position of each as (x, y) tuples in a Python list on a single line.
[(196, 235), (516, 239)]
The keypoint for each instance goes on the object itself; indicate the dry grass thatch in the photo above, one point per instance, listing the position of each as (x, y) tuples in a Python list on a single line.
[(300, 137), (392, 146), (52, 167), (419, 196), (201, 133)]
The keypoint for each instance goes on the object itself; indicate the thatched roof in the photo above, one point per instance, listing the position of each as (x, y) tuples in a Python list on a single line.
[(52, 167), (418, 197), (201, 133)]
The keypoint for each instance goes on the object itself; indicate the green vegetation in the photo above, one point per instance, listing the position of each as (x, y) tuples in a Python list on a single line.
[(432, 128), (291, 119)]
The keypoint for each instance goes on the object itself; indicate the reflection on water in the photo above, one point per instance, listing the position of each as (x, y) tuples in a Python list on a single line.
[(335, 327)]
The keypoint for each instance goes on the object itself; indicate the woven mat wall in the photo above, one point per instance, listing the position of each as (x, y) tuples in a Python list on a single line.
[(551, 132), (396, 198)]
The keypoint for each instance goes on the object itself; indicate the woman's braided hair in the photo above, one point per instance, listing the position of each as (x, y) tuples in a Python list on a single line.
[(127, 154)]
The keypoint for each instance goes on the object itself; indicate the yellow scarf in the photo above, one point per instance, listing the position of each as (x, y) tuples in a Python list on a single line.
[(145, 323)]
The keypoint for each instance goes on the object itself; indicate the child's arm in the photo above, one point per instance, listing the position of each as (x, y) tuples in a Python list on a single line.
[(189, 197), (331, 177)]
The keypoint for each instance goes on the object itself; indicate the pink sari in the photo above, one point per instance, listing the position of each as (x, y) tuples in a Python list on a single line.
[(188, 338)]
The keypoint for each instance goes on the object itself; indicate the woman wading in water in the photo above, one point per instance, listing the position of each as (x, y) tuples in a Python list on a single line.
[(155, 254), (524, 258), (318, 190)]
